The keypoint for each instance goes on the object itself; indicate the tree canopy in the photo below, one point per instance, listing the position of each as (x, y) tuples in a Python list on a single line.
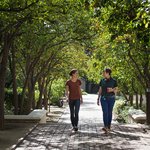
[(40, 41)]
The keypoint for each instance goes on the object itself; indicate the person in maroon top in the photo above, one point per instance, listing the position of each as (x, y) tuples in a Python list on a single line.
[(74, 97)]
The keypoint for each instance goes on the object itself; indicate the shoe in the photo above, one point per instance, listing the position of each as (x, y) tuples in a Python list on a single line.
[(105, 130), (109, 128), (72, 129), (76, 129)]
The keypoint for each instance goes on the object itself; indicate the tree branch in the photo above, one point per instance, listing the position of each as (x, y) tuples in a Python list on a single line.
[(136, 66), (18, 9)]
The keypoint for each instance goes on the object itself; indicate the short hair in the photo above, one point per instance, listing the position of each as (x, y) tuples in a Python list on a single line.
[(108, 70), (73, 71)]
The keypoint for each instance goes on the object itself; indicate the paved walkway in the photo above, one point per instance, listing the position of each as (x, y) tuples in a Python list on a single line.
[(56, 135)]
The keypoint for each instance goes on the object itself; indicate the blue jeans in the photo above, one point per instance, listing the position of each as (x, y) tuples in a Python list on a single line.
[(107, 104), (74, 106)]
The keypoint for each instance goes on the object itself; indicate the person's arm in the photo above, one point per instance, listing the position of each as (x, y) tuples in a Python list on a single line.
[(67, 92), (81, 98), (115, 89), (99, 95)]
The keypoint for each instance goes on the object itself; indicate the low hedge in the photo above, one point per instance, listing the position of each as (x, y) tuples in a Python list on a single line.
[(121, 110)]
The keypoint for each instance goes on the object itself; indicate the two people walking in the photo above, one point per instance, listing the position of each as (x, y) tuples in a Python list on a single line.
[(106, 97)]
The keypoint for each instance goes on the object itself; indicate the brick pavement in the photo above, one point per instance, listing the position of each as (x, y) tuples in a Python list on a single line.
[(57, 135)]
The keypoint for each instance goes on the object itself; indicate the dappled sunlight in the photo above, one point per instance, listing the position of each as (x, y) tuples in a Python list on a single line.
[(106, 43), (58, 135)]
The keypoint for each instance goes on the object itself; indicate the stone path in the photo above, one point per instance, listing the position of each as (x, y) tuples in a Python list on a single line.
[(57, 135)]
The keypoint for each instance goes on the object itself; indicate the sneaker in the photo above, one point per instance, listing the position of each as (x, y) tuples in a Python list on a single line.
[(109, 128), (76, 129), (105, 130), (72, 129)]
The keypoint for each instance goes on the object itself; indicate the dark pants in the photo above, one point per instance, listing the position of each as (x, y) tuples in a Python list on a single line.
[(74, 111), (107, 104)]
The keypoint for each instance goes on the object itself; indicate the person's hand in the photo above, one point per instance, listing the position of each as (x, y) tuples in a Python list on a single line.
[(67, 100), (110, 90), (81, 100), (98, 101)]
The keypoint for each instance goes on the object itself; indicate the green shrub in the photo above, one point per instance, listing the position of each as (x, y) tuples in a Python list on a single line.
[(8, 102), (7, 110), (57, 91), (83, 92), (19, 90), (37, 95), (121, 110), (120, 98)]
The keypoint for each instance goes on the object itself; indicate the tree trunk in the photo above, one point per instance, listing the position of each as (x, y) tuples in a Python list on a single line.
[(41, 90), (49, 95), (15, 94), (141, 100), (131, 99), (46, 93), (25, 85), (148, 104), (33, 101), (33, 82), (137, 103), (3, 68), (23, 95), (30, 104), (125, 96), (31, 88), (45, 100), (49, 92)]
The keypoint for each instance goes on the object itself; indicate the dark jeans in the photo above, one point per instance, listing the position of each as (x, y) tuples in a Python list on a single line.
[(107, 104), (74, 111)]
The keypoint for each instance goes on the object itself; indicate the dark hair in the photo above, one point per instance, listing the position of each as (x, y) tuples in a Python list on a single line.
[(107, 70), (73, 71)]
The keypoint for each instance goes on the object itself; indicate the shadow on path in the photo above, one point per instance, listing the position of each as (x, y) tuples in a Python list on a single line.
[(58, 136)]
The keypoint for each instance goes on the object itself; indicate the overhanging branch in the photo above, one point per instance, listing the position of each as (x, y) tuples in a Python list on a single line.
[(18, 9)]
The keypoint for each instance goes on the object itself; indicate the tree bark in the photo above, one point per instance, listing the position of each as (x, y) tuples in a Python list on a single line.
[(24, 89), (15, 93), (46, 94), (33, 101), (3, 68), (29, 67), (148, 104), (125, 96), (41, 89), (45, 100), (49, 92), (131, 99), (141, 100), (137, 101), (31, 88)]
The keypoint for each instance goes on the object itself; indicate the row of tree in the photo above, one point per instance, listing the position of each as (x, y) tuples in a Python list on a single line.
[(40, 41), (124, 46)]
